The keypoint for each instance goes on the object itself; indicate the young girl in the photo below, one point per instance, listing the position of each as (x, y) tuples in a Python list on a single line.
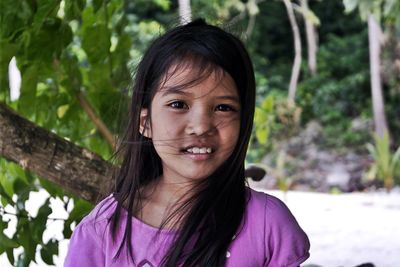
[(181, 197)]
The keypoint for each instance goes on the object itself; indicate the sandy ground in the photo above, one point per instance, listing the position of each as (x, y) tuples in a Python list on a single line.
[(349, 229), (344, 230)]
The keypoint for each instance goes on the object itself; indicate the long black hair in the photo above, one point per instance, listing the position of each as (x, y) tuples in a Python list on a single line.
[(213, 214)]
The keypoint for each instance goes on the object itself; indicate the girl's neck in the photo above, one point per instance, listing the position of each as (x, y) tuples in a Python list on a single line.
[(160, 200)]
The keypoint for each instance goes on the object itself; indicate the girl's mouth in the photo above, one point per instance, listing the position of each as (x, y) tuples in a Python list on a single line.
[(198, 153), (199, 150)]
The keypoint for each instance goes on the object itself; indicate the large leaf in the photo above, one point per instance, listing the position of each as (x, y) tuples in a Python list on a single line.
[(96, 43), (29, 245), (48, 251), (39, 223), (5, 241), (27, 100), (73, 8), (45, 9)]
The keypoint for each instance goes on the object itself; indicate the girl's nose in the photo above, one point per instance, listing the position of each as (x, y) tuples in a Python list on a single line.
[(200, 123)]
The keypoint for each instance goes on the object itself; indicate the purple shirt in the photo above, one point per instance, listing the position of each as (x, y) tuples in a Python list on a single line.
[(270, 236)]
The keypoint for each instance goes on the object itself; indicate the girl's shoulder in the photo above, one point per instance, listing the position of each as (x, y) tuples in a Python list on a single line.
[(270, 233), (101, 213), (262, 203), (269, 212)]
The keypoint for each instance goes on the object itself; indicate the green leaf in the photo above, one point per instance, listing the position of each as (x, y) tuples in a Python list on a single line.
[(29, 245), (40, 221), (164, 4), (46, 9), (73, 9), (6, 180), (16, 171), (10, 255), (99, 79), (97, 5), (72, 77), (48, 251), (61, 110), (22, 189), (96, 43), (262, 135), (15, 16), (46, 45), (5, 241), (260, 116), (5, 198), (27, 99), (268, 103)]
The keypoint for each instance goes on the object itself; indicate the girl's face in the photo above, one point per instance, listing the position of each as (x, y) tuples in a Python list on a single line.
[(195, 129)]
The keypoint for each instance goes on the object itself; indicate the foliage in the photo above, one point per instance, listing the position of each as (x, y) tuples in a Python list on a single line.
[(387, 9), (342, 86), (386, 13), (275, 119), (386, 164)]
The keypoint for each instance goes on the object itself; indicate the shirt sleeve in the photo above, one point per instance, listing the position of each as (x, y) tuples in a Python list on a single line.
[(287, 243), (85, 247)]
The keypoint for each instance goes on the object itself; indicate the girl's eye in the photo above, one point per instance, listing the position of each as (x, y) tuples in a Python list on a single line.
[(178, 105), (224, 108)]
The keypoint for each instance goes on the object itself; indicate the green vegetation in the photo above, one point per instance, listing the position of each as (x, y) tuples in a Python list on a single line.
[(387, 164)]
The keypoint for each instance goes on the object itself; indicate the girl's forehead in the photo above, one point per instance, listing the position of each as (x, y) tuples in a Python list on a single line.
[(182, 77)]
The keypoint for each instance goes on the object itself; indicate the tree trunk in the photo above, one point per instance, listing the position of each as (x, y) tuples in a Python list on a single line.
[(312, 39), (374, 36), (53, 158), (185, 11), (297, 48)]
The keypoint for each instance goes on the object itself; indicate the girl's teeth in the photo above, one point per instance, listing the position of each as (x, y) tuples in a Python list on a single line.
[(199, 150)]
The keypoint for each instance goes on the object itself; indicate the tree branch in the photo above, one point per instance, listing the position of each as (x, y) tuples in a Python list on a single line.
[(297, 47), (96, 120), (42, 152)]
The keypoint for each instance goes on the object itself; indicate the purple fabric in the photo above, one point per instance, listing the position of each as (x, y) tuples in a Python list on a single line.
[(270, 236)]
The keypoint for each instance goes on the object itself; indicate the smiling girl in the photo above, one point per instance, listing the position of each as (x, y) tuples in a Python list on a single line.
[(181, 197)]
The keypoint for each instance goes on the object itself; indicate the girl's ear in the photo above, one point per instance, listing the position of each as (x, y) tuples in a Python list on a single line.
[(144, 123)]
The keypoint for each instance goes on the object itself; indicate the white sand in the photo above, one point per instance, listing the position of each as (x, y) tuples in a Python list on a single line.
[(349, 229)]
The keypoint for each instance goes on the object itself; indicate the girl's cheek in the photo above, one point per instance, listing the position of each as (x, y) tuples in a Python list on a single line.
[(230, 122)]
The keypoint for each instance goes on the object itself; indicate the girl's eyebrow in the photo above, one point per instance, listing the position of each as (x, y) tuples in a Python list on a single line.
[(228, 97), (181, 92), (172, 91)]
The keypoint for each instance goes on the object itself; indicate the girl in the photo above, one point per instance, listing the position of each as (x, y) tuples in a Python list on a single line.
[(181, 197)]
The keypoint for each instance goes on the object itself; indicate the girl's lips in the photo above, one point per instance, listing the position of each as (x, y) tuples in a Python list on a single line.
[(198, 157)]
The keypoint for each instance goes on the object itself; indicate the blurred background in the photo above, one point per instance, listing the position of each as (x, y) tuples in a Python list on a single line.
[(327, 122)]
